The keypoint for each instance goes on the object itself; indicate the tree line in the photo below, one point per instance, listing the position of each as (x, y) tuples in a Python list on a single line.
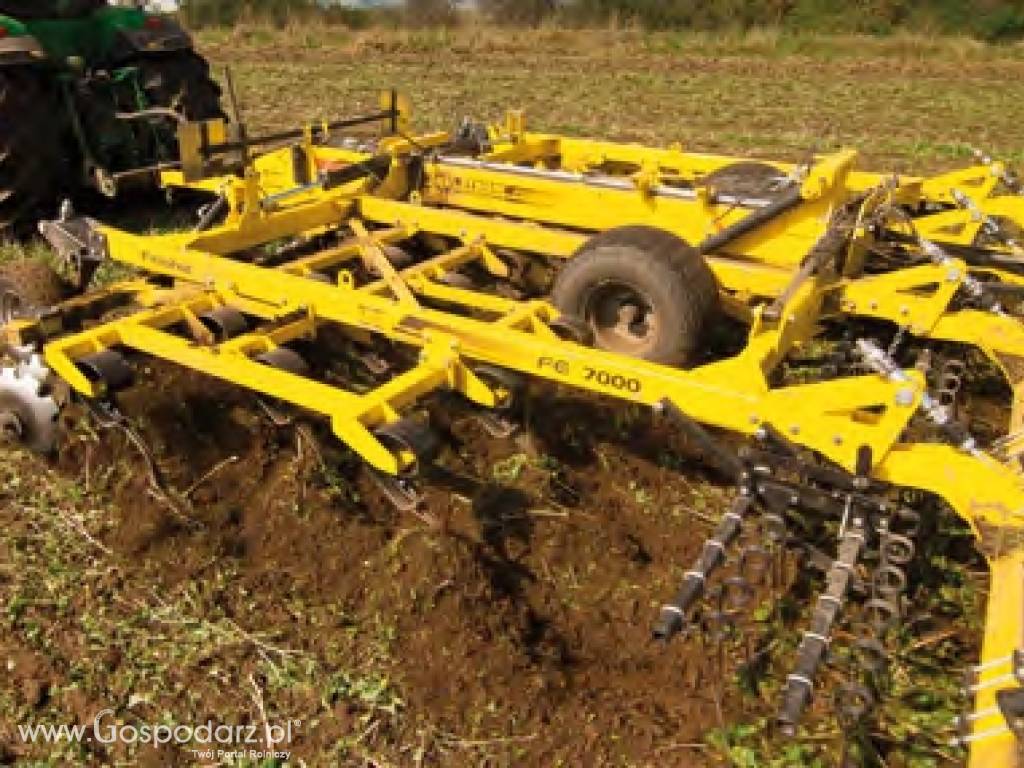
[(994, 20)]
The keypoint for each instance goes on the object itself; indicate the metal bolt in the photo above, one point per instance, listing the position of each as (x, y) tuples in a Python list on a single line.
[(794, 430), (905, 397), (838, 439)]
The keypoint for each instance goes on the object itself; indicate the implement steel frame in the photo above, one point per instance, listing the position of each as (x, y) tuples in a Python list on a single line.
[(539, 194)]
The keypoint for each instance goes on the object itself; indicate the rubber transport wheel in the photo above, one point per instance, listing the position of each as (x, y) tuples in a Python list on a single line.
[(643, 291), (747, 179), (28, 286), (30, 159)]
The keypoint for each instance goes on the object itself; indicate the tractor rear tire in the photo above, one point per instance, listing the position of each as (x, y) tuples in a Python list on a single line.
[(181, 81), (30, 159), (642, 291), (28, 286), (32, 10)]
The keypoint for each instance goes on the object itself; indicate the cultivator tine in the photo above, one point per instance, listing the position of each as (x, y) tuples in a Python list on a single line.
[(401, 492), (773, 475), (813, 647), (503, 421), (418, 446), (496, 425), (674, 614)]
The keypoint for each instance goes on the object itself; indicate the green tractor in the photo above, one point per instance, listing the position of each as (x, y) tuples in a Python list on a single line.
[(90, 96)]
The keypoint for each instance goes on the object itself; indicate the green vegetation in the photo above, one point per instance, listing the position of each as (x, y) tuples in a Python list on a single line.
[(991, 20), (909, 103)]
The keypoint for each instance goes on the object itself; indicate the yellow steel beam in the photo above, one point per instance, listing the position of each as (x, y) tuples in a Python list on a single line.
[(583, 204), (808, 413), (469, 227), (374, 257), (916, 298), (991, 743)]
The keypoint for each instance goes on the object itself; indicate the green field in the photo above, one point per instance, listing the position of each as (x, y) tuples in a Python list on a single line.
[(906, 103)]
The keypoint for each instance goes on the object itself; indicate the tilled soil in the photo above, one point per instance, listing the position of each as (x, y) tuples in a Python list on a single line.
[(508, 622), (213, 557)]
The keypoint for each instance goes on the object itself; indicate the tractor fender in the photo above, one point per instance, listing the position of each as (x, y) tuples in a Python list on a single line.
[(20, 50), (158, 35)]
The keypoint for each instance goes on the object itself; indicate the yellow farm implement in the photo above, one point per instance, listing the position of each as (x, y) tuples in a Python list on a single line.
[(491, 255)]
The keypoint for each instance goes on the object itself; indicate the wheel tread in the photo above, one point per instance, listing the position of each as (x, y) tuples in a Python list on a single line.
[(671, 266), (29, 146)]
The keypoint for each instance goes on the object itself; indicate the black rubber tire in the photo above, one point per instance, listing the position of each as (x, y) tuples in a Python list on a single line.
[(746, 179), (673, 280), (30, 159), (181, 80), (34, 285)]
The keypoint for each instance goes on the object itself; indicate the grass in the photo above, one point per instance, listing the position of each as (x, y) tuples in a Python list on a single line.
[(84, 628), (905, 102)]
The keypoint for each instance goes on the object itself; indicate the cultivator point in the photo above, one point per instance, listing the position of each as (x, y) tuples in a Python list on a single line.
[(848, 413)]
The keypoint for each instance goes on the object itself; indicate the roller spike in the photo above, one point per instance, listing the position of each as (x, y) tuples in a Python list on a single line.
[(36, 415), (35, 368)]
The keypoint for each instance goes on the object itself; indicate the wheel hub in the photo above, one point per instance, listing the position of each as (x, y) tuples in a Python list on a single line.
[(622, 320)]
